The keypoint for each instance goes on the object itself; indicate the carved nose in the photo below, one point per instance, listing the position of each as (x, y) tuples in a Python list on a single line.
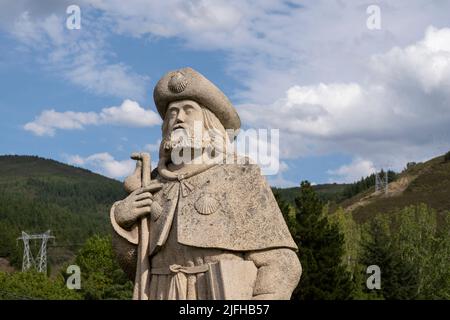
[(180, 116)]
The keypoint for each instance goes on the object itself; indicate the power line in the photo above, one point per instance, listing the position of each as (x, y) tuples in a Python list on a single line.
[(381, 182), (28, 261)]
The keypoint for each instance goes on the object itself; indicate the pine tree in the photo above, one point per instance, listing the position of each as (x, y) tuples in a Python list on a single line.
[(321, 247), (422, 243), (286, 210), (102, 277), (399, 278)]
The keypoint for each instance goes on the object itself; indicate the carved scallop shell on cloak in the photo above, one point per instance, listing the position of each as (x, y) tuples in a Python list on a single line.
[(206, 205)]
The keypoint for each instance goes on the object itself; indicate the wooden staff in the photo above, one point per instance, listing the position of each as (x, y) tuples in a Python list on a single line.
[(143, 264)]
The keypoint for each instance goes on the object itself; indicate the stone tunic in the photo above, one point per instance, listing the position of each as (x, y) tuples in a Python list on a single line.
[(180, 286)]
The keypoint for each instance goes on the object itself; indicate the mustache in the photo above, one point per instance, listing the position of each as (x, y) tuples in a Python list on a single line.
[(180, 126)]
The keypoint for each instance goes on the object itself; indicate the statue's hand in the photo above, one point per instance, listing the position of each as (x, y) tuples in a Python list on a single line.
[(137, 205)]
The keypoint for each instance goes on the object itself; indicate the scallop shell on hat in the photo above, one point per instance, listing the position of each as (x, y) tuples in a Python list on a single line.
[(206, 205), (177, 83)]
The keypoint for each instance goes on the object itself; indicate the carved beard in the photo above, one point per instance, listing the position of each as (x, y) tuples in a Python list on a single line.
[(181, 142), (182, 138)]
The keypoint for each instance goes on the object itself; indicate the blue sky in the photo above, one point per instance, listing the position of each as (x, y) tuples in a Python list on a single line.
[(346, 99)]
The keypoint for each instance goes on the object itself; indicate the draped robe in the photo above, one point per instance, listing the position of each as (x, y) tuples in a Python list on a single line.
[(226, 212)]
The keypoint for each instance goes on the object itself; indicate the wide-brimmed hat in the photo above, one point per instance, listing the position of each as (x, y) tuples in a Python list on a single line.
[(189, 84)]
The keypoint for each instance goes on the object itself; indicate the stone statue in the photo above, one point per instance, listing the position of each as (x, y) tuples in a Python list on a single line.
[(196, 229)]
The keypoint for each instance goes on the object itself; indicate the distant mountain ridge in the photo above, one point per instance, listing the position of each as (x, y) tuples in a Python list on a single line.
[(38, 194), (327, 192)]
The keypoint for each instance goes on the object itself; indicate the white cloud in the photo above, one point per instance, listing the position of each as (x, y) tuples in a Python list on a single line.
[(153, 147), (172, 18), (87, 71), (277, 44), (352, 172), (103, 163), (81, 57), (396, 115), (283, 166), (129, 113), (49, 120), (426, 63), (312, 110), (269, 44), (279, 180), (390, 108), (261, 147), (25, 30), (326, 96)]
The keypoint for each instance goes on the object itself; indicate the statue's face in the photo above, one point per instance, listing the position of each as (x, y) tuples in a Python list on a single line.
[(190, 127), (183, 114), (184, 125)]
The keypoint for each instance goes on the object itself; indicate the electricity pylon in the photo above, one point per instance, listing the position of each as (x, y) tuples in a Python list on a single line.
[(28, 260), (381, 182)]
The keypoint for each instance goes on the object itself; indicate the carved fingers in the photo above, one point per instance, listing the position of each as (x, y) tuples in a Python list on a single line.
[(142, 204), (144, 196), (141, 212), (143, 199), (155, 186), (137, 205)]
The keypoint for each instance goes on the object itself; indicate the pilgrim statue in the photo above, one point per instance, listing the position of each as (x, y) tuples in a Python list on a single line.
[(204, 224)]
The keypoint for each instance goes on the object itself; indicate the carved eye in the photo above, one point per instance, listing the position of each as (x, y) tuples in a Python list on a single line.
[(172, 112), (188, 109)]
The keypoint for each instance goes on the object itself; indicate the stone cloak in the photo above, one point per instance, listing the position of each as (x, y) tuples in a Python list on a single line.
[(229, 206)]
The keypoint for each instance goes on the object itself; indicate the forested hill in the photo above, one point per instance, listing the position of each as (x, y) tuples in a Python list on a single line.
[(427, 182), (333, 192), (39, 194)]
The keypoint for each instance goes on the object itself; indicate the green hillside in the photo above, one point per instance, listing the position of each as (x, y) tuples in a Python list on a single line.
[(38, 194), (421, 183), (427, 183)]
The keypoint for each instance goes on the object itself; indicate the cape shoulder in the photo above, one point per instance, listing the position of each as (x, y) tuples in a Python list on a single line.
[(240, 211)]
